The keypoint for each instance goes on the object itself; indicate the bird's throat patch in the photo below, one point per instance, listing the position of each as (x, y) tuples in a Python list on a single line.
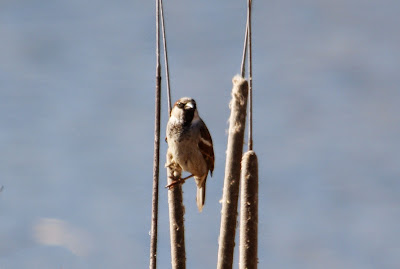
[(188, 117)]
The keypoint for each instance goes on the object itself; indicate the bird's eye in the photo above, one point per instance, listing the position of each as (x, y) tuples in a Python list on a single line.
[(180, 105)]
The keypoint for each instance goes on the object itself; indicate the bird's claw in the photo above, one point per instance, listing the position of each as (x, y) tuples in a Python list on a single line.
[(174, 182)]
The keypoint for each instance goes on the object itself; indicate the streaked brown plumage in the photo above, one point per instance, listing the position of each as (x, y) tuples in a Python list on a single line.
[(190, 145)]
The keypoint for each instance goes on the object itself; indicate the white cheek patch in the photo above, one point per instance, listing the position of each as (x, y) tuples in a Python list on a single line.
[(173, 120), (175, 115)]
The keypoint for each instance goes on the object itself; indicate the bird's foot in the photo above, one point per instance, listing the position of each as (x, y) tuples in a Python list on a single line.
[(177, 181), (174, 183)]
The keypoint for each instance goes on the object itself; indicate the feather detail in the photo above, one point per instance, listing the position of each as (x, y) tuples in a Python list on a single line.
[(206, 147), (201, 196)]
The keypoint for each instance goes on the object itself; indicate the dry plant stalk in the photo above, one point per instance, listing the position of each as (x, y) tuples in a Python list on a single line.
[(249, 212), (176, 219), (248, 31), (156, 161), (237, 124), (156, 170)]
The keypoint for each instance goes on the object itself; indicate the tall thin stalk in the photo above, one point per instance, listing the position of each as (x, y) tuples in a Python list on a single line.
[(243, 66), (237, 124), (165, 57), (156, 161), (250, 138)]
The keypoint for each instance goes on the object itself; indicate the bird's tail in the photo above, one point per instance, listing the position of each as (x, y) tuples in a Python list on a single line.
[(201, 196)]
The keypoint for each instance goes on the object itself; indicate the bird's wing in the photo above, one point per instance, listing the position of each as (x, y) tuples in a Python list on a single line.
[(206, 147)]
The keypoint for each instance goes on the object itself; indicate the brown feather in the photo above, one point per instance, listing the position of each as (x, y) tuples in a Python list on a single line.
[(206, 150)]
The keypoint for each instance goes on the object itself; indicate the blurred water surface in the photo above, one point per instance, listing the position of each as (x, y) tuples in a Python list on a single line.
[(76, 138)]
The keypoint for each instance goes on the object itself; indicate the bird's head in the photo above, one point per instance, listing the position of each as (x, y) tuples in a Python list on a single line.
[(185, 111)]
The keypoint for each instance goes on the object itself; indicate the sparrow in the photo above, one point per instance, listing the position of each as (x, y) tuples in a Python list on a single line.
[(190, 147)]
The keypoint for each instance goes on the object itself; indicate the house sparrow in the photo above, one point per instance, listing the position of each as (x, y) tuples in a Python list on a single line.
[(190, 146)]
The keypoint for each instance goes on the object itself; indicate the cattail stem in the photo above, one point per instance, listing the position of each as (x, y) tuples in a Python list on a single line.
[(249, 212), (176, 220), (165, 57), (156, 161), (243, 66), (237, 124), (248, 30)]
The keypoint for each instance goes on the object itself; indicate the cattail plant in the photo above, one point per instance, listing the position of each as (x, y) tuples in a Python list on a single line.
[(156, 160), (248, 247), (176, 209), (249, 174), (237, 123), (176, 220), (249, 212), (238, 172)]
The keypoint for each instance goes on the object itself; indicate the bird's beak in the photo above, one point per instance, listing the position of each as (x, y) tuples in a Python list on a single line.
[(189, 105)]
